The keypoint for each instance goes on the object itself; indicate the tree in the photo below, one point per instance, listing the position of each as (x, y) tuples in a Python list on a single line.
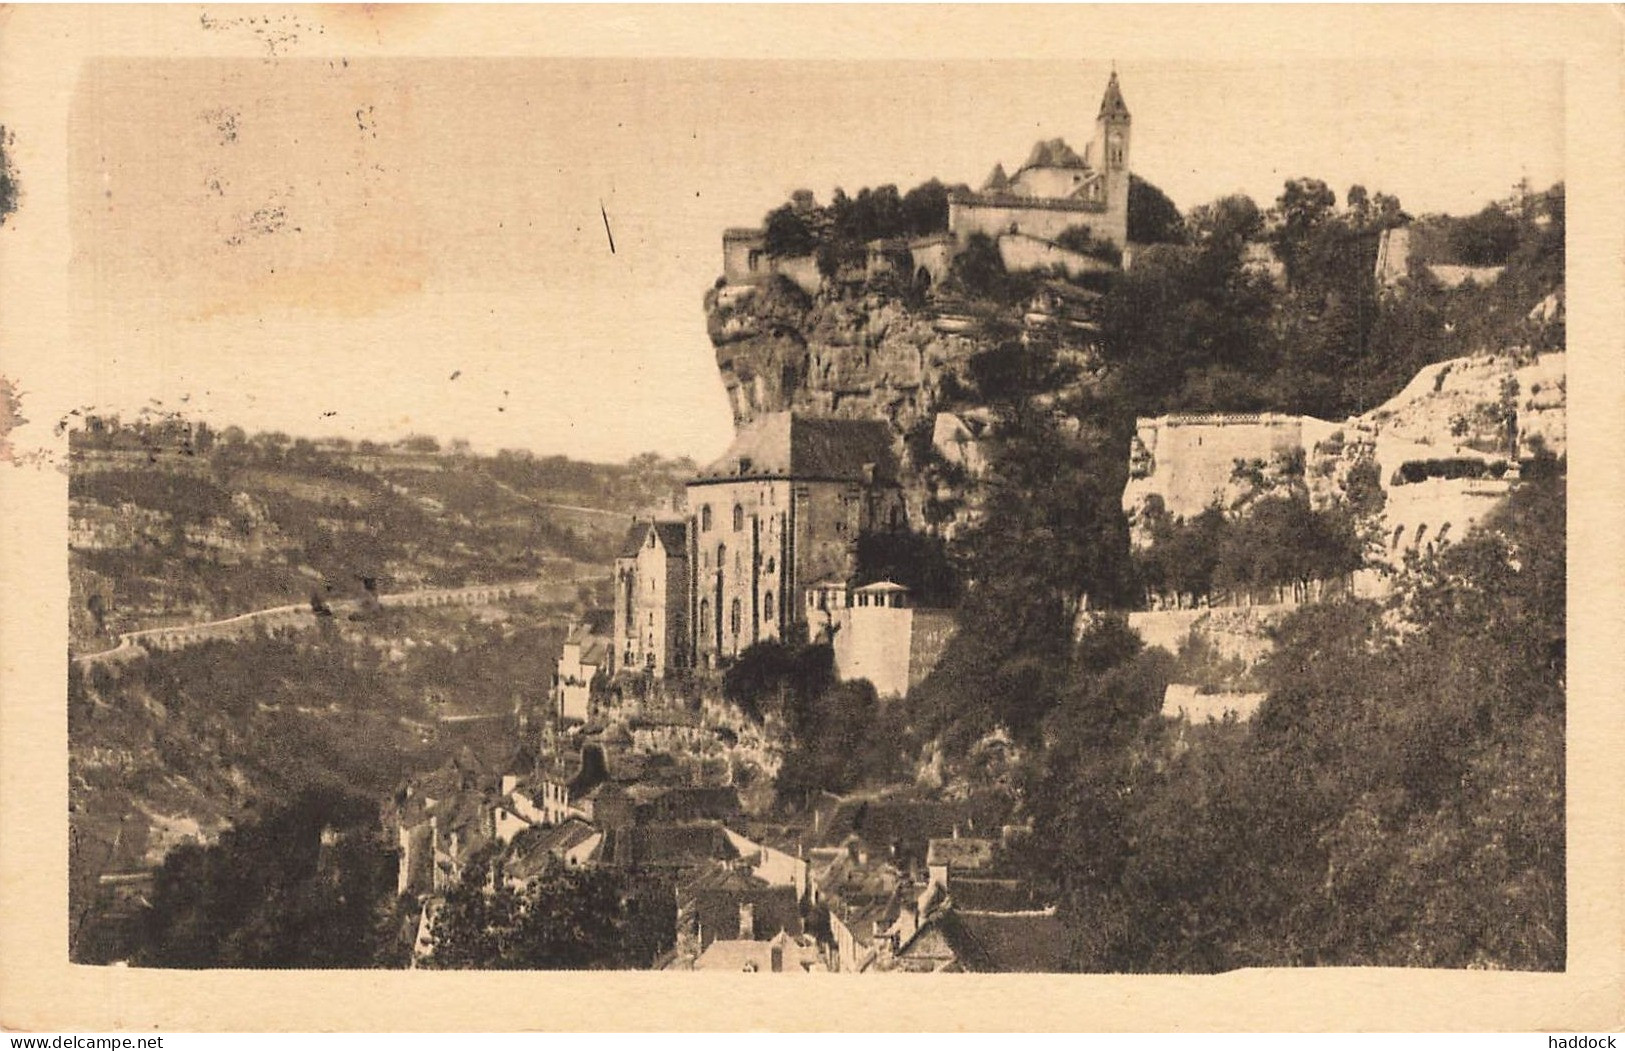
[(786, 232), (915, 560), (1303, 207), (563, 919), (1188, 316), (1230, 222), (833, 743), (1080, 239), (1485, 239), (774, 677), (1051, 540), (979, 268), (305, 885), (1152, 217), (925, 208)]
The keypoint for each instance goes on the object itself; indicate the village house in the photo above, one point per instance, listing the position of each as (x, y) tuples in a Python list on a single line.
[(651, 600), (573, 844), (723, 902), (771, 864), (784, 954), (586, 655)]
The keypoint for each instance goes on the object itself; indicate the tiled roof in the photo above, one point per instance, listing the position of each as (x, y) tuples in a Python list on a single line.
[(673, 537), (930, 946), (715, 911), (1053, 153), (993, 895), (909, 824), (1005, 942), (966, 853), (881, 587), (595, 651), (674, 846), (796, 956), (528, 855), (814, 448)]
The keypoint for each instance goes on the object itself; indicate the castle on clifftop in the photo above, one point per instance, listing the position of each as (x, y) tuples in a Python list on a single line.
[(767, 547), (1056, 190)]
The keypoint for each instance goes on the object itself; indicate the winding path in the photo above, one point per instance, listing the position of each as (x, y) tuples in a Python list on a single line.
[(133, 644)]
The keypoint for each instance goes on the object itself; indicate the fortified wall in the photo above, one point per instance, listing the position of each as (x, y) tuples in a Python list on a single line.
[(1189, 460)]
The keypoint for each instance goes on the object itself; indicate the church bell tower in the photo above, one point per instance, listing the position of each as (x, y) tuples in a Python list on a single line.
[(1112, 128)]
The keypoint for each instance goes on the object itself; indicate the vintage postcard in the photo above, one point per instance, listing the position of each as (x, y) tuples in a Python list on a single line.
[(555, 518)]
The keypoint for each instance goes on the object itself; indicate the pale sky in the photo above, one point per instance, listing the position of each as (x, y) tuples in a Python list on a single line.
[(318, 247)]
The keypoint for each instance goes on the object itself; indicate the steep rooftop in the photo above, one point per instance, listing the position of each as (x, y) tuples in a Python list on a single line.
[(791, 445)]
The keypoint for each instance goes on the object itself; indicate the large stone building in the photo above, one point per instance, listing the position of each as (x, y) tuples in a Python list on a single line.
[(652, 582), (1055, 190), (782, 510)]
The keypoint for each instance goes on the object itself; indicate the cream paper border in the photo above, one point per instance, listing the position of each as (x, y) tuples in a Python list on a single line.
[(40, 54)]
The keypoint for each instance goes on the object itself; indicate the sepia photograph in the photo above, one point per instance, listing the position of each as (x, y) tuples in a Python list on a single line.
[(1085, 511)]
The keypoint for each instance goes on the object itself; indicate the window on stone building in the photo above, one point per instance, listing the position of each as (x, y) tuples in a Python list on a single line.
[(734, 624), (722, 556), (705, 518), (705, 615), (739, 518), (767, 607)]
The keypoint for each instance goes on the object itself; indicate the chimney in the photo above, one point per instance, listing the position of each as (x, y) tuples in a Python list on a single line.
[(747, 920)]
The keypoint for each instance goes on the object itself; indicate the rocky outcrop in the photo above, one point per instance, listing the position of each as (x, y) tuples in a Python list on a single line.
[(853, 352), (859, 354), (1416, 471)]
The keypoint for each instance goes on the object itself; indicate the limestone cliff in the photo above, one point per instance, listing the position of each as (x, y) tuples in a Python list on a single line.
[(855, 354), (1419, 469)]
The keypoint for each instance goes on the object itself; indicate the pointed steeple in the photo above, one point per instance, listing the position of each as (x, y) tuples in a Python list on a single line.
[(1112, 105), (997, 181)]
